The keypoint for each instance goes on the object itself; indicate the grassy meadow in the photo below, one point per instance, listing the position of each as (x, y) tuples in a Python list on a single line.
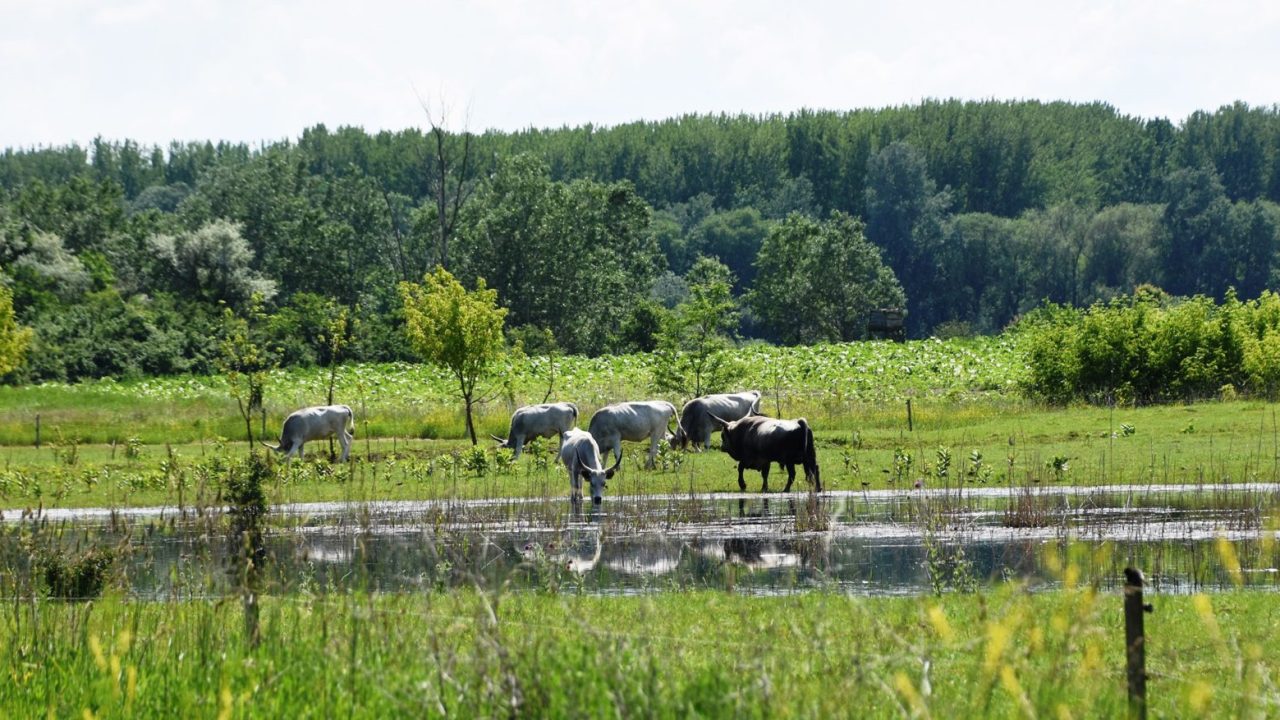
[(163, 440)]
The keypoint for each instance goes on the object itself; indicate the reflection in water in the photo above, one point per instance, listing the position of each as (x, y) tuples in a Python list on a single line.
[(887, 544)]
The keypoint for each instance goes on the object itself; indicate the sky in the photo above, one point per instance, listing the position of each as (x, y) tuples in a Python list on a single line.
[(258, 71)]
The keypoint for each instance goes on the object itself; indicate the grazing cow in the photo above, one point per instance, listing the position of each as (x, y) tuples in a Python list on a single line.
[(696, 425), (634, 422), (532, 421), (756, 442), (581, 457), (316, 423)]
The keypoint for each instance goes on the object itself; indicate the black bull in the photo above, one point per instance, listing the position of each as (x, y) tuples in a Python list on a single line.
[(757, 442)]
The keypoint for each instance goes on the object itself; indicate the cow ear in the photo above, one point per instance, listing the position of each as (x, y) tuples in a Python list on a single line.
[(585, 474)]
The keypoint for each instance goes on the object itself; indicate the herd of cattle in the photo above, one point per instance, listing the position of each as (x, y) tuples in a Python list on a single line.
[(753, 440)]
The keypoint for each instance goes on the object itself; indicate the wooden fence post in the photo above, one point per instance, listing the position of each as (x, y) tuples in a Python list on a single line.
[(910, 424), (37, 431), (1135, 642)]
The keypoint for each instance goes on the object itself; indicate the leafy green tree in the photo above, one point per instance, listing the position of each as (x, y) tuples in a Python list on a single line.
[(457, 330), (905, 218), (213, 263), (40, 260), (571, 257), (694, 344), (733, 237), (1122, 241), (14, 338), (819, 280), (1055, 241), (1254, 232), (83, 213), (1193, 239), (640, 329), (244, 362)]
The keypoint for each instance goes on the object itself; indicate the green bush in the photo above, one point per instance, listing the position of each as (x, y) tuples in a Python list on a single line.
[(1151, 348)]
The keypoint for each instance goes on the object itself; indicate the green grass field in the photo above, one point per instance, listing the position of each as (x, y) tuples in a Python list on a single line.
[(995, 441)]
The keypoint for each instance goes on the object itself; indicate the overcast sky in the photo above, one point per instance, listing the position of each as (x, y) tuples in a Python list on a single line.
[(254, 70)]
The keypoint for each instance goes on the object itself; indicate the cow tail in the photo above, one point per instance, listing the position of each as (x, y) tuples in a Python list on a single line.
[(675, 416), (810, 453), (575, 412)]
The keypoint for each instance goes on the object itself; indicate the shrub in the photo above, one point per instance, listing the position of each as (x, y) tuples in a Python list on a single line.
[(1151, 348), (76, 577)]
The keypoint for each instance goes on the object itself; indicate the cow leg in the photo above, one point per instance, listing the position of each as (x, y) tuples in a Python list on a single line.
[(791, 477), (519, 447), (764, 478), (344, 439), (653, 452), (742, 484), (300, 455)]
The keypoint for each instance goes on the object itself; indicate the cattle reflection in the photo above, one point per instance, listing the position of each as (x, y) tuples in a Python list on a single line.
[(654, 559), (759, 553), (577, 552)]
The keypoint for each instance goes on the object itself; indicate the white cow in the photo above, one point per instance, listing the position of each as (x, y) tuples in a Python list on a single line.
[(532, 421), (634, 422), (696, 424), (316, 423), (581, 457)]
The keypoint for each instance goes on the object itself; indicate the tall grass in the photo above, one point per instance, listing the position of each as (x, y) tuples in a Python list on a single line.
[(1004, 654)]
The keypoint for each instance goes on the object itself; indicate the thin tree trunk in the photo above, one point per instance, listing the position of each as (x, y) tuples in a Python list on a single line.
[(471, 427)]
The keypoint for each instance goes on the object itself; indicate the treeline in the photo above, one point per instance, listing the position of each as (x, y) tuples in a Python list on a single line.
[(123, 258)]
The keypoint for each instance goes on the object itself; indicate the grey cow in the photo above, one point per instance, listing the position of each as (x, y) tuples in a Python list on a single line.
[(635, 422), (696, 424), (532, 421), (581, 457), (316, 423)]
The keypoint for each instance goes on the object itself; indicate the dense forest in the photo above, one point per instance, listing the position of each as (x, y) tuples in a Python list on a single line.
[(124, 259)]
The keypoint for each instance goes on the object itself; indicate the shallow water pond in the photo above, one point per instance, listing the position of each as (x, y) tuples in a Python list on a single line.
[(1185, 538)]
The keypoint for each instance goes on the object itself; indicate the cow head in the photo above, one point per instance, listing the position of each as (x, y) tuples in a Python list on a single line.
[(596, 476), (679, 439)]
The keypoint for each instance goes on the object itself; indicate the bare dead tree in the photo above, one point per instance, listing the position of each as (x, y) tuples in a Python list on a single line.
[(451, 168)]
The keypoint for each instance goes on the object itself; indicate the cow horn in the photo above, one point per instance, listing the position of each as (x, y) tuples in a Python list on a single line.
[(269, 447), (499, 440)]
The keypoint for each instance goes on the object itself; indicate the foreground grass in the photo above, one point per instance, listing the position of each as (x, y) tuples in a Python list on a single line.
[(1003, 653)]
